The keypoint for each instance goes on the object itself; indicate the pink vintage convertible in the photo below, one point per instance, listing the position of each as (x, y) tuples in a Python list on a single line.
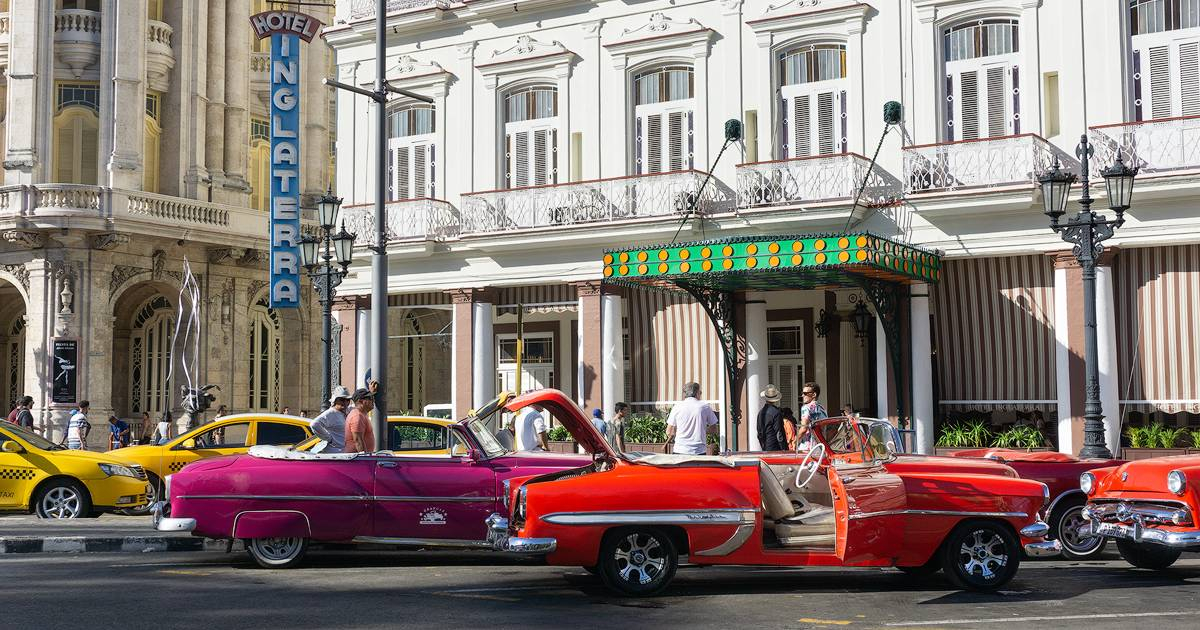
[(279, 500)]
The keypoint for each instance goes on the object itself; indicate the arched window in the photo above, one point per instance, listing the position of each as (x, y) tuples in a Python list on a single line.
[(812, 86), (413, 151), (150, 153), (264, 358), (150, 357), (664, 111), (531, 136), (15, 354), (260, 164), (412, 356), (77, 133), (1165, 38), (982, 79)]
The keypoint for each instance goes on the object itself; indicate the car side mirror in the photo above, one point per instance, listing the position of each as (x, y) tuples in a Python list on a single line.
[(11, 446), (188, 444)]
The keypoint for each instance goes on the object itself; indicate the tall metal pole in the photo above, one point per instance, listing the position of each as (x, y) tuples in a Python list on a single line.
[(379, 264), (1094, 444), (327, 327)]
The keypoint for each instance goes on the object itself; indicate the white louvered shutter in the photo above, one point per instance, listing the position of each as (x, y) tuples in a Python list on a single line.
[(531, 154), (412, 168), (982, 102), (664, 138), (1166, 75), (814, 121)]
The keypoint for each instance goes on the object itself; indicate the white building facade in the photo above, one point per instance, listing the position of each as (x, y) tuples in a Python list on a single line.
[(134, 138), (563, 129)]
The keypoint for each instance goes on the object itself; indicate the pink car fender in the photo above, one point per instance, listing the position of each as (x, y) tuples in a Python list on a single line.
[(271, 524)]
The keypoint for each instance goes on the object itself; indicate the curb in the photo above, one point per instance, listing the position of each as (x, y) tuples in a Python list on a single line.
[(107, 544)]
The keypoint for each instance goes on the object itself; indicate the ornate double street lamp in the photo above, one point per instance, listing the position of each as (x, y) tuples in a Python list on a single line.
[(319, 255), (1087, 230)]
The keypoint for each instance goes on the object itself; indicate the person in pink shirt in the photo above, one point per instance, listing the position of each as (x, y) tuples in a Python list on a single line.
[(360, 435)]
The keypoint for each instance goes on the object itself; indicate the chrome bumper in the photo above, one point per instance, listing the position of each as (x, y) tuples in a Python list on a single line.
[(1044, 549), (168, 524), (500, 540), (1139, 533), (1035, 530)]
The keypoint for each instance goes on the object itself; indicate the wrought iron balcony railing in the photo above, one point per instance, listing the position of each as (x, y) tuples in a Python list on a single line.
[(611, 199), (361, 9), (1154, 146), (407, 219), (814, 179), (982, 163)]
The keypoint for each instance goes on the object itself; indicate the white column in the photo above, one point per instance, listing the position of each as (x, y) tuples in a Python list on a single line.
[(1106, 346), (925, 114), (26, 70), (129, 73), (237, 95), (487, 173), (363, 345), (1030, 68), (762, 86), (214, 126), (756, 363), (1062, 362), (612, 349), (882, 361), (483, 370), (579, 362), (922, 367)]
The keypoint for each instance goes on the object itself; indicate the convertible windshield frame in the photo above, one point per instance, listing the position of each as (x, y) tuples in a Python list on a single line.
[(863, 435)]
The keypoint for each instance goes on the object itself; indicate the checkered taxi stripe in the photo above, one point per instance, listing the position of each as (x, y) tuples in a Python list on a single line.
[(20, 474), (176, 466)]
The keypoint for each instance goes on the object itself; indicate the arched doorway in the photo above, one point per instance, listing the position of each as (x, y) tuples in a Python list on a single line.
[(264, 345), (12, 345), (150, 358)]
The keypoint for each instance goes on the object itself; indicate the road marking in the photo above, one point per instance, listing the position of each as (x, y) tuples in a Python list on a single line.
[(183, 572), (951, 622), (493, 598), (494, 589), (825, 622)]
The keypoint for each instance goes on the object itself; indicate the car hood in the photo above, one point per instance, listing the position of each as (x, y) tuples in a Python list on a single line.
[(940, 464), (568, 413), (1148, 475), (143, 450), (99, 458)]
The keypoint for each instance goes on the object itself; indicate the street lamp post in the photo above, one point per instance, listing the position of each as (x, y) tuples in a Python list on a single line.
[(1087, 230), (319, 255)]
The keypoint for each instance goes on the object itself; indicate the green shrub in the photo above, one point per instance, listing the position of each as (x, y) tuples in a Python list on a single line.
[(646, 428), (1195, 436), (968, 434), (559, 434), (1157, 435), (1019, 436)]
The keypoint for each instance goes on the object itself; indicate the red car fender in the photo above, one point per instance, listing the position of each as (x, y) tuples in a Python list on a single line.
[(271, 524)]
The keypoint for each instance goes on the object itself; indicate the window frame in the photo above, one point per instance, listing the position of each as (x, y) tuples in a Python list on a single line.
[(426, 140), (642, 114), (789, 93)]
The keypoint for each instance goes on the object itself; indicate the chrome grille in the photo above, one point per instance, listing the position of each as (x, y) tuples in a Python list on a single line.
[(1149, 512), (139, 471)]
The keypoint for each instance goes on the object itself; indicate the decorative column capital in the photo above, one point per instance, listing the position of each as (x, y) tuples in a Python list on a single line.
[(225, 255), (1065, 259), (25, 238), (589, 288), (107, 241), (483, 295)]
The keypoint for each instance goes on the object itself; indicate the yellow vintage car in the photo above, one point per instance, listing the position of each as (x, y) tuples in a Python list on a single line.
[(39, 476), (411, 435), (227, 435)]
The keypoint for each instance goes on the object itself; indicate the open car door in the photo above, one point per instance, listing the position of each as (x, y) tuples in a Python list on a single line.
[(867, 503)]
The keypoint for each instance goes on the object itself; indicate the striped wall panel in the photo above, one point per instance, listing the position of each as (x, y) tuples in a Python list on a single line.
[(671, 342), (427, 298), (1157, 294), (994, 333)]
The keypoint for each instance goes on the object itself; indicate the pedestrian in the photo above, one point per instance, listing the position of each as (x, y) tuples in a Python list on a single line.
[(24, 413), (848, 412), (331, 424), (771, 434), (690, 422), (791, 427), (146, 435), (119, 430), (78, 428), (505, 435), (222, 411), (12, 414), (599, 423), (162, 433), (616, 426), (531, 429), (285, 410), (360, 435), (811, 409)]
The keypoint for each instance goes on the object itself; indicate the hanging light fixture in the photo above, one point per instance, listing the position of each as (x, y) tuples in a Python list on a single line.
[(825, 323), (862, 322)]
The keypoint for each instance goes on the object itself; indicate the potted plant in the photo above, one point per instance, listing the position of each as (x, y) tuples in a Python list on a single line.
[(1022, 437), (646, 432), (559, 440), (960, 436), (1194, 436), (1153, 440)]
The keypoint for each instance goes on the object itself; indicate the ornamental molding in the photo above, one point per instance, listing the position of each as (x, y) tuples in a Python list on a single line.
[(225, 255), (122, 274), (107, 241), (809, 18), (407, 67), (483, 295), (25, 238), (21, 273), (253, 258), (253, 289), (158, 264), (528, 55), (659, 33)]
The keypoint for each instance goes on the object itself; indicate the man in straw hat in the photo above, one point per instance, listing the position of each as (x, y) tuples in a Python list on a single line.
[(771, 436)]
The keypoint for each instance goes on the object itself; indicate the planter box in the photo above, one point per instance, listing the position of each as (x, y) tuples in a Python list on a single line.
[(645, 447), (940, 450), (1148, 453), (562, 447)]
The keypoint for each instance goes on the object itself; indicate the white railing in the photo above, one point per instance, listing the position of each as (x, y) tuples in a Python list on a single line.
[(360, 9), (408, 219), (814, 179), (1154, 146), (612, 199), (159, 33), (983, 163), (177, 210), (72, 197), (14, 200), (77, 24)]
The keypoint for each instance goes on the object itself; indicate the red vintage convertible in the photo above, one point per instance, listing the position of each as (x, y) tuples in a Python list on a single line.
[(845, 499)]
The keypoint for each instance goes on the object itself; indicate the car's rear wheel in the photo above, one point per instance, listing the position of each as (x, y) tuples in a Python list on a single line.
[(63, 499), (637, 562), (981, 555), (277, 553), (1069, 527), (1146, 555)]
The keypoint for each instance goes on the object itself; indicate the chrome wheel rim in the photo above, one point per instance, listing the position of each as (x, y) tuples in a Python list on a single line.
[(640, 559), (277, 549), (983, 554), (61, 502), (1073, 533)]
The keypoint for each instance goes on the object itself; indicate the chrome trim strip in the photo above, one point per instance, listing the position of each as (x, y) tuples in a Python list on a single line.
[(530, 545), (269, 497), (438, 499), (715, 516), (1036, 529), (1044, 549), (169, 524), (307, 523), (423, 542), (1138, 501), (735, 542), (938, 513), (1059, 498)]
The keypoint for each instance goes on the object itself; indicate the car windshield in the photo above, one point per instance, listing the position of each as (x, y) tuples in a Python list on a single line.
[(485, 439), (34, 439), (863, 440)]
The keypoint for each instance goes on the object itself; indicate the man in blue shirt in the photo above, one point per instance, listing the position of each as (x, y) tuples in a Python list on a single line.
[(120, 433)]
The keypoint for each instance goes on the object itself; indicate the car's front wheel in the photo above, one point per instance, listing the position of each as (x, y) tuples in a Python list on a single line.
[(63, 499), (981, 555), (1146, 555), (1069, 527), (277, 553), (637, 562)]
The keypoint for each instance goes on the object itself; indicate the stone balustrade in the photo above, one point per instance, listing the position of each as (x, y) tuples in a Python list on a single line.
[(4, 38), (160, 57), (77, 39)]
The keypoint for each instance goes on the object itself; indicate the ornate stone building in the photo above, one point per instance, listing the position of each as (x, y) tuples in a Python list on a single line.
[(135, 143)]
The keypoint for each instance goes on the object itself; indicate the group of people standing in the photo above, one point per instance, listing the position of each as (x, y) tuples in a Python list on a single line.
[(346, 425), (778, 427)]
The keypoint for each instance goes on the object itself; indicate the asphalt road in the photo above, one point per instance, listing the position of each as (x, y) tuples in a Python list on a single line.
[(385, 590)]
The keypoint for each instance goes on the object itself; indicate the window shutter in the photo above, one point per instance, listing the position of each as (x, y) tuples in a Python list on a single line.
[(1189, 79), (508, 161), (1014, 88), (654, 143), (554, 156), (392, 174), (639, 148), (419, 175), (951, 108), (64, 150), (996, 97), (969, 105), (1137, 85), (691, 134), (521, 158), (1160, 82), (541, 156), (825, 123), (785, 381), (675, 140), (844, 121), (785, 124), (432, 171), (801, 127), (89, 146), (402, 173)]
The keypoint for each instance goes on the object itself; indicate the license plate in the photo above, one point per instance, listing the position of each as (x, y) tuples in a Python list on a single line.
[(1119, 531)]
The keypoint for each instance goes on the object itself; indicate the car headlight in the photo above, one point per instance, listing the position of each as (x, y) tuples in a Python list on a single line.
[(1087, 483), (1176, 482), (519, 512), (117, 470), (507, 491)]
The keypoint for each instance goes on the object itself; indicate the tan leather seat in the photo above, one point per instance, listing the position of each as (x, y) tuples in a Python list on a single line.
[(818, 521), (776, 504)]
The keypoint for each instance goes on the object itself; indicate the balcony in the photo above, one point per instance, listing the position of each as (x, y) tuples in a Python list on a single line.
[(77, 39), (983, 163), (407, 220), (362, 9), (1165, 145), (160, 58), (812, 180), (260, 78), (4, 39), (595, 201)]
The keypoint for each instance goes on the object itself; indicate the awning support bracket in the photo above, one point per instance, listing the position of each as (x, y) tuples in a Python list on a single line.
[(721, 307)]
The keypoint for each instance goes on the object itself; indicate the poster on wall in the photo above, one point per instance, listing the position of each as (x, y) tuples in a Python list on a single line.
[(65, 371)]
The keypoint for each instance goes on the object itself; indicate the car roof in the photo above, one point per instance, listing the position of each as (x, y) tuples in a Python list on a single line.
[(253, 415)]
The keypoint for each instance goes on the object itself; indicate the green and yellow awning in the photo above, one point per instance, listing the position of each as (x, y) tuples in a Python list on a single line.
[(773, 262)]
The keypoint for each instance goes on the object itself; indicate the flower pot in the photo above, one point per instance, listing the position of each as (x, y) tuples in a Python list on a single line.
[(943, 450), (1148, 453)]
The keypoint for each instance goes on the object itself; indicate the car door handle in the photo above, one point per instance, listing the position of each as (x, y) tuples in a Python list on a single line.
[(387, 464)]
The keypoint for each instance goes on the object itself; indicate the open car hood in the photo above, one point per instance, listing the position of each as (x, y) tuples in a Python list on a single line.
[(568, 413)]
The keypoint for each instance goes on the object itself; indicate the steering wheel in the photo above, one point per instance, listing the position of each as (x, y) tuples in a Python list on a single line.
[(815, 465)]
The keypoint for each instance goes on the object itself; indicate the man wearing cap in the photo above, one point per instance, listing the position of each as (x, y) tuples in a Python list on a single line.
[(360, 435), (771, 436), (331, 424)]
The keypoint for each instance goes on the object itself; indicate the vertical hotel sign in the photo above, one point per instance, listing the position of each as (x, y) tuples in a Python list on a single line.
[(286, 29)]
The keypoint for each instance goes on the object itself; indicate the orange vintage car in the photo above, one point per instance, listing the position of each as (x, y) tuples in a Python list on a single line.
[(1148, 507), (630, 516)]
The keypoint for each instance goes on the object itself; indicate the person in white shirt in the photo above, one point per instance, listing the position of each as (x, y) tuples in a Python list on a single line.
[(331, 424), (690, 422), (78, 428), (531, 429)]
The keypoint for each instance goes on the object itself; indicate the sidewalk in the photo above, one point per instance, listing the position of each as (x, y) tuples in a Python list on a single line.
[(109, 533)]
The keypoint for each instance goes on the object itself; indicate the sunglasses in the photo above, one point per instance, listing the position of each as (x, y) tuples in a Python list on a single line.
[(808, 393)]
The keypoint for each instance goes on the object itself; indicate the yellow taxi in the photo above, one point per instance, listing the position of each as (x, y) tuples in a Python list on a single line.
[(227, 435), (411, 435), (52, 481)]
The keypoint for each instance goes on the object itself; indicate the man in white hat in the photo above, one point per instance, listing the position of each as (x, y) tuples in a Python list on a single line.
[(771, 435), (331, 424)]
